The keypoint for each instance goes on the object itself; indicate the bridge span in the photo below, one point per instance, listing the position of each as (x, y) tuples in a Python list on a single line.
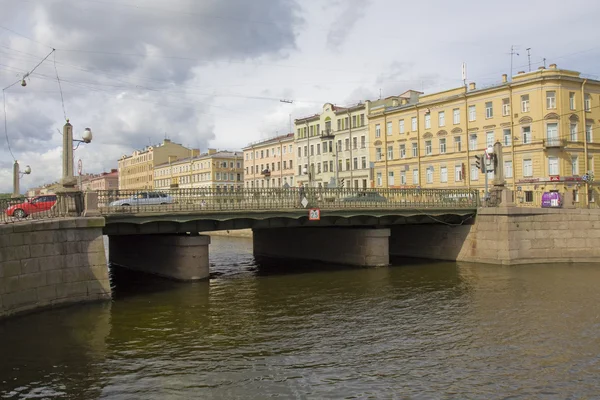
[(164, 230)]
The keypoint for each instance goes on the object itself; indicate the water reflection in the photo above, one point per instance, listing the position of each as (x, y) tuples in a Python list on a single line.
[(416, 330)]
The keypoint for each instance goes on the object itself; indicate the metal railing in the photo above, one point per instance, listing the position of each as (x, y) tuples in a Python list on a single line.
[(554, 142), (27, 208), (281, 199)]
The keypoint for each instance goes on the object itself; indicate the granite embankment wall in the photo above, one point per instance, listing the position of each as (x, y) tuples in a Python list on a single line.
[(509, 235), (52, 262)]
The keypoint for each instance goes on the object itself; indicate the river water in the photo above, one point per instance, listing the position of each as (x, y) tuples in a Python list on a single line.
[(418, 330)]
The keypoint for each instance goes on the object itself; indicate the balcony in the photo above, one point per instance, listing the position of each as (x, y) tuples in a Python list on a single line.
[(554, 143), (327, 134), (266, 173)]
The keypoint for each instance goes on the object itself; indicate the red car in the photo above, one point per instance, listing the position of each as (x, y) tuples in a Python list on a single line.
[(32, 206)]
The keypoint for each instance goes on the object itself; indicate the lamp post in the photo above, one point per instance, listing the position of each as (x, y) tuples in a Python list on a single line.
[(17, 178), (69, 198)]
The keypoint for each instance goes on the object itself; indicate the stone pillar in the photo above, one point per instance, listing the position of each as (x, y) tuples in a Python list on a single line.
[(68, 179), (90, 204), (180, 257), (69, 200), (366, 247), (16, 183)]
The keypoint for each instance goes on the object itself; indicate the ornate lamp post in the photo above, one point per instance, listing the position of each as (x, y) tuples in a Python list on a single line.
[(17, 175)]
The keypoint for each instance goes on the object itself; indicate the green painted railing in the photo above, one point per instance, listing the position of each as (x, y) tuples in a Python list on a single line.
[(199, 200)]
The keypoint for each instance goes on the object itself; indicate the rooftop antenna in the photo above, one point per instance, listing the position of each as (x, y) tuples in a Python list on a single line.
[(512, 53), (544, 62), (464, 73), (529, 57), (379, 93)]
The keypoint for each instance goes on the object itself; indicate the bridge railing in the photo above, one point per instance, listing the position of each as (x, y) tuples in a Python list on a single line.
[(205, 199), (27, 208)]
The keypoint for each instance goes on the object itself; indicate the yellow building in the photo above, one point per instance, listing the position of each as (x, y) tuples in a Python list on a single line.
[(137, 170), (221, 170), (545, 120)]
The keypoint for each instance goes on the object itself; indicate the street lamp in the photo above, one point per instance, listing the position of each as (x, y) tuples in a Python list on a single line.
[(68, 178), (17, 175)]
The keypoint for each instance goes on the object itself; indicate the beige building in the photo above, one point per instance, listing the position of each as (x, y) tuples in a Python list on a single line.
[(104, 181), (545, 120), (270, 163), (221, 170), (136, 171), (332, 146)]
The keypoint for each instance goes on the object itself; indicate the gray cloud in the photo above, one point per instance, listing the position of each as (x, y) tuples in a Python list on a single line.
[(348, 12)]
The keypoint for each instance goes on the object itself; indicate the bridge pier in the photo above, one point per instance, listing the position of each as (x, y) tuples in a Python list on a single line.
[(180, 257), (365, 247)]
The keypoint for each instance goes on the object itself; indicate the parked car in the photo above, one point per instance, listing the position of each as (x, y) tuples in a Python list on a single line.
[(144, 199), (32, 206), (366, 197)]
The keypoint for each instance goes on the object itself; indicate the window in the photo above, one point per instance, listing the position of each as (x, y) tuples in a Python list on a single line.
[(441, 118), (529, 196), (388, 129), (489, 110), (428, 147), (312, 149), (574, 165), (415, 178), (378, 154), (505, 107), (354, 121), (588, 133), (413, 123), (573, 132), (355, 143), (473, 141), (552, 134), (318, 168), (339, 145), (527, 168), (474, 172), (390, 152), (456, 116), (415, 150), (347, 144), (339, 124), (402, 151), (427, 121), (429, 175), (363, 162), (489, 138), (379, 183), (377, 130), (508, 169), (318, 148), (507, 135), (340, 165), (355, 162), (458, 173), (299, 152), (525, 103), (363, 142), (576, 195), (347, 164), (391, 178), (472, 113), (588, 102), (550, 99), (590, 163), (572, 100), (305, 151), (325, 167), (444, 174), (362, 119), (442, 146), (331, 166), (526, 134), (591, 198), (401, 126), (457, 143), (403, 177)]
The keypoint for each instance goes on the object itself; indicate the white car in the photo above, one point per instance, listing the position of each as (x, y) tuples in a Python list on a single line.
[(144, 199)]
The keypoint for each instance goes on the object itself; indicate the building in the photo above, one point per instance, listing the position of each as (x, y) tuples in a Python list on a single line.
[(545, 120), (270, 162), (104, 181), (332, 147), (220, 170), (137, 170)]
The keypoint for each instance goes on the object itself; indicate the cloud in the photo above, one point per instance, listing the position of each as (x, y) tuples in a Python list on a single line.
[(342, 27)]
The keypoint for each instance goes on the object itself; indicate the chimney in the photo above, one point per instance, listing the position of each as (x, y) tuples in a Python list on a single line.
[(504, 78), (211, 151), (541, 68), (472, 86), (552, 66), (520, 72)]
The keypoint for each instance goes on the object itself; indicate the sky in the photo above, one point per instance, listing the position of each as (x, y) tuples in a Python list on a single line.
[(213, 73)]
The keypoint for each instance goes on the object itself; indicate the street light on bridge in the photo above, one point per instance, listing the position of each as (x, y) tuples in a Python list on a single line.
[(17, 175)]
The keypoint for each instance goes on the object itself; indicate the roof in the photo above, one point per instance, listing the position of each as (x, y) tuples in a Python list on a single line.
[(276, 139), (205, 156)]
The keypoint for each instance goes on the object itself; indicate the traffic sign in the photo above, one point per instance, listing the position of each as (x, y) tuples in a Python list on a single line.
[(314, 214)]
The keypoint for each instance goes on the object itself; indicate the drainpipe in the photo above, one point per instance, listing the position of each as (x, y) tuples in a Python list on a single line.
[(468, 142), (385, 155), (512, 140), (418, 145), (308, 155), (585, 142), (351, 153)]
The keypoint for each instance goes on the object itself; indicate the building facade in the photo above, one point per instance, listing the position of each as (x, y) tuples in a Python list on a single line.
[(219, 170), (104, 181), (270, 163), (136, 171), (544, 119), (332, 146)]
